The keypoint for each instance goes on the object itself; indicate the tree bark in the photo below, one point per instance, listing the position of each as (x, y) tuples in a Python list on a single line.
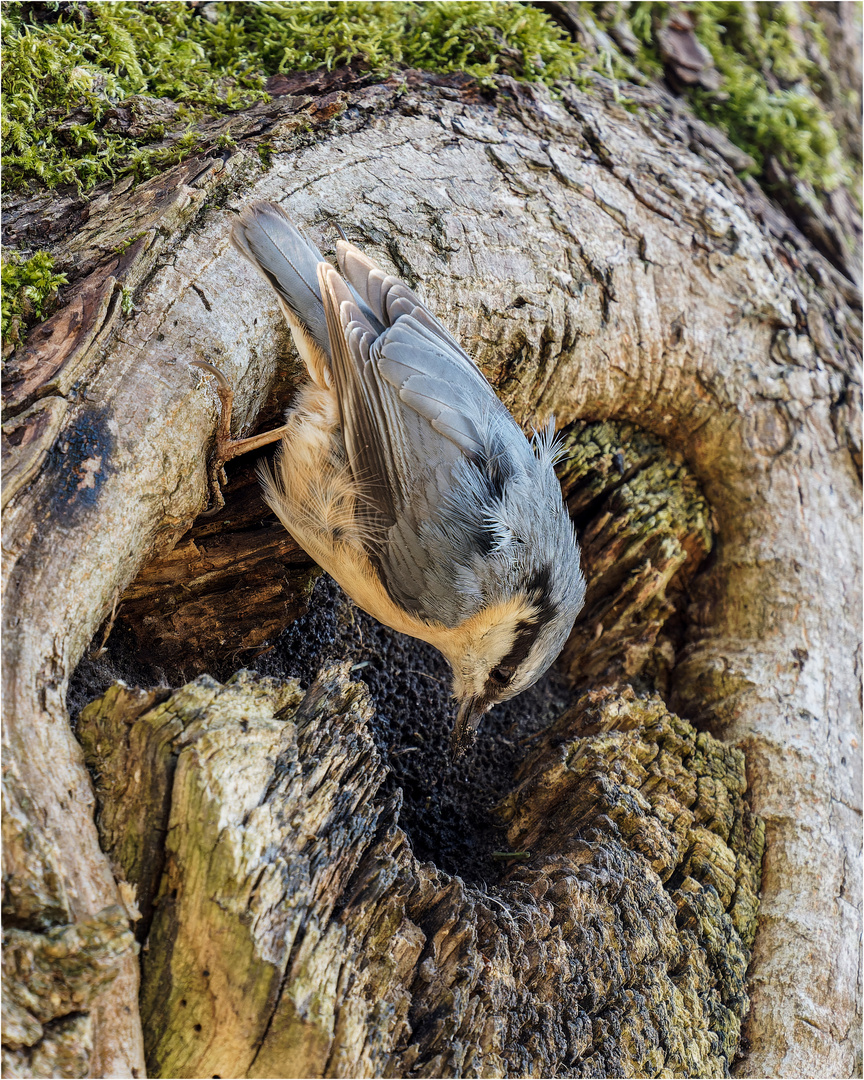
[(295, 934), (598, 267)]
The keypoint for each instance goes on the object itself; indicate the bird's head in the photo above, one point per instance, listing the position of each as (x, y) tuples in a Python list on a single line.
[(506, 647)]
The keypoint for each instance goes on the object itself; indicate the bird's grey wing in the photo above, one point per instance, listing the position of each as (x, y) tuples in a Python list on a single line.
[(410, 398), (419, 357), (421, 424), (388, 298), (368, 422), (287, 259), (440, 550)]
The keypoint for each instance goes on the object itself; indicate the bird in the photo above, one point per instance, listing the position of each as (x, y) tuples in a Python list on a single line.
[(402, 474)]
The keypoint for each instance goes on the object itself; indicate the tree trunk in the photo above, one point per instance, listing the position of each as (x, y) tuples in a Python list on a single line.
[(599, 268)]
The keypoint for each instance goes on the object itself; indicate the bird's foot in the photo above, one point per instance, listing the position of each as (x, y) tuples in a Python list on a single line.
[(226, 447)]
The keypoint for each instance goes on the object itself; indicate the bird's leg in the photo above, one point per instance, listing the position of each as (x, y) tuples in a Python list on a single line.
[(226, 447)]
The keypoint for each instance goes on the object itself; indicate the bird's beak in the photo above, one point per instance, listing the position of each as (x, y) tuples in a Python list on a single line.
[(465, 728)]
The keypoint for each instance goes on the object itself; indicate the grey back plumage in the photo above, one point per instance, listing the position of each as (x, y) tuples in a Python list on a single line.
[(462, 511), (473, 510)]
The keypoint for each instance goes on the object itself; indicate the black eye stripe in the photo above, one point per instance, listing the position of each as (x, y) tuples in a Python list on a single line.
[(526, 635), (539, 594)]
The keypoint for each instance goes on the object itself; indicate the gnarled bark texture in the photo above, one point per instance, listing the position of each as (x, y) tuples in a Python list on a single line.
[(295, 934), (600, 265)]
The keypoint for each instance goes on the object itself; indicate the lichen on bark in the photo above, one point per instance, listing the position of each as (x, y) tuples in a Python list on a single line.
[(294, 933), (49, 983)]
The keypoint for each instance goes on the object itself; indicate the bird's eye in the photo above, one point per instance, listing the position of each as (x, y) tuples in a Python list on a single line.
[(501, 675)]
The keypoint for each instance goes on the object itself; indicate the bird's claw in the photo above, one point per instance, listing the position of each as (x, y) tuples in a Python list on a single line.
[(226, 447), (216, 475)]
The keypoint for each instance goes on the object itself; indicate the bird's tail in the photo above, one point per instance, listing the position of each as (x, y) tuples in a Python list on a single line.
[(288, 259)]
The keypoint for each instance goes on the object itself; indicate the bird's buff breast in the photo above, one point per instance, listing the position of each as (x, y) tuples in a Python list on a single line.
[(315, 497)]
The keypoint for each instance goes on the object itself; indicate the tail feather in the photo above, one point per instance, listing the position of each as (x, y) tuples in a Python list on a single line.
[(287, 259)]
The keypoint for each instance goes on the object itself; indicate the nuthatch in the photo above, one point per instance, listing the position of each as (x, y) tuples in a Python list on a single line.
[(405, 478)]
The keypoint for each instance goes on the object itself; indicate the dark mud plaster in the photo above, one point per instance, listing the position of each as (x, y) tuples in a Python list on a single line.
[(120, 660)]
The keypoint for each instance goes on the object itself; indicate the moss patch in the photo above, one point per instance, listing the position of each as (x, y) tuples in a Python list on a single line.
[(768, 100), (29, 294), (67, 67)]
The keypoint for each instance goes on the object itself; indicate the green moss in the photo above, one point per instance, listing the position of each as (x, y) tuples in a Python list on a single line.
[(29, 292), (63, 73), (265, 153), (61, 77), (768, 102), (788, 122), (489, 38), (127, 243)]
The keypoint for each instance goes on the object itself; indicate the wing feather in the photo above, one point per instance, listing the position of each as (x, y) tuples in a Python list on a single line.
[(363, 419), (388, 297), (287, 259), (410, 398)]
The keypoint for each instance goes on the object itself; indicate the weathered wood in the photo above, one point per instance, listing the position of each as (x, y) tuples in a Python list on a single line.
[(596, 267), (645, 529), (50, 982), (294, 933), (228, 587)]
